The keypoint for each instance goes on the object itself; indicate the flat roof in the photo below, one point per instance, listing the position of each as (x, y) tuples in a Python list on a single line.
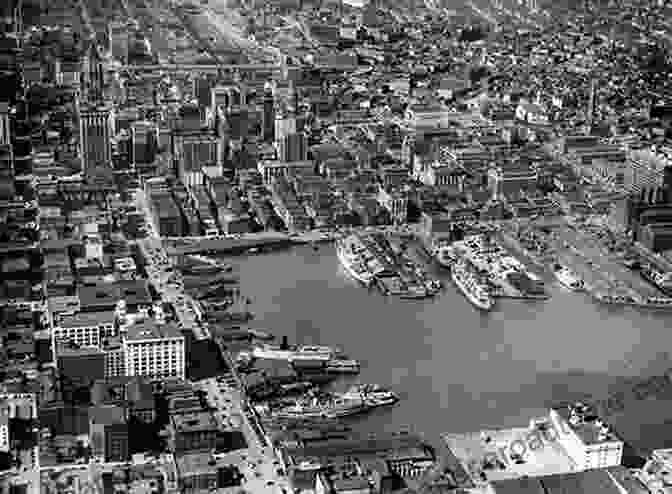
[(194, 422), (471, 449), (149, 330), (588, 428), (83, 319)]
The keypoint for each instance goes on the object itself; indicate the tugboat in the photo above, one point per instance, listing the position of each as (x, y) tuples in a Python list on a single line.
[(472, 288), (567, 278)]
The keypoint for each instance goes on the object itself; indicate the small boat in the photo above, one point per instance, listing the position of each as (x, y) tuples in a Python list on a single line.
[(253, 250), (343, 366), (260, 335), (568, 278)]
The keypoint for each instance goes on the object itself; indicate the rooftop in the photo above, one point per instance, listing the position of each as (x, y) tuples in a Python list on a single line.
[(84, 319), (194, 422), (475, 452), (149, 330), (586, 424)]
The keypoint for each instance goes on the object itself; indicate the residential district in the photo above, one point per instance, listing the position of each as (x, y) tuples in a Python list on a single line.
[(511, 142)]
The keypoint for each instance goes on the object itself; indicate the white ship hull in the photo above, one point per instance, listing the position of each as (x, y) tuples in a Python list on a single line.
[(270, 353), (485, 304), (363, 277)]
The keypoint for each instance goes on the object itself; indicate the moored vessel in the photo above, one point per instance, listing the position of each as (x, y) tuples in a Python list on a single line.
[(472, 288), (372, 394), (568, 278), (304, 352), (353, 260)]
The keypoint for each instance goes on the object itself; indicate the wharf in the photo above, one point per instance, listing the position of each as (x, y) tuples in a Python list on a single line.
[(234, 246), (503, 288)]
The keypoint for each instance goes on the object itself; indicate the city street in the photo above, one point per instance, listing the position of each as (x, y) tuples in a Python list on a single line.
[(161, 272), (258, 463)]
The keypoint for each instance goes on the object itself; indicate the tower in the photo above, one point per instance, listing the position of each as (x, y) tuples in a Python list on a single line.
[(5, 125), (95, 128), (268, 115), (592, 101)]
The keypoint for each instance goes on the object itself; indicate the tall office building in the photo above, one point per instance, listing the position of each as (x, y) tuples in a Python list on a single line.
[(95, 128), (194, 150), (285, 125), (268, 115), (155, 351), (119, 40), (293, 147), (5, 125), (592, 101), (144, 142)]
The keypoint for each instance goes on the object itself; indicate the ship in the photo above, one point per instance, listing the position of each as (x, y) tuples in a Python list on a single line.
[(661, 280), (353, 261), (342, 366), (304, 352), (373, 395), (335, 408), (472, 288), (568, 278)]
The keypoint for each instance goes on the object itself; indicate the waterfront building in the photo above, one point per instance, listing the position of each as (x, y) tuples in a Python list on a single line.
[(154, 350), (95, 129), (588, 441), (84, 329)]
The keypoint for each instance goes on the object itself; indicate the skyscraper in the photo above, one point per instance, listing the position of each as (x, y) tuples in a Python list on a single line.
[(95, 128), (144, 138), (5, 134), (268, 116)]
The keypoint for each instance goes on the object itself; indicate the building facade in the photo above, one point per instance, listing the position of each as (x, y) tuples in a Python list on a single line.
[(95, 129), (154, 351)]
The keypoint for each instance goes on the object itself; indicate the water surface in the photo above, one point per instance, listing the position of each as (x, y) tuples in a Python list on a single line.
[(456, 368)]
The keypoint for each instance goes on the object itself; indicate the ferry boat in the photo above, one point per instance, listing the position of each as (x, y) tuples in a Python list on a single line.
[(343, 366), (336, 408), (568, 278), (304, 352), (372, 394), (475, 291), (353, 262)]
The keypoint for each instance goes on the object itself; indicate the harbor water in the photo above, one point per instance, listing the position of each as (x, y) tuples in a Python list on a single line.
[(455, 368)]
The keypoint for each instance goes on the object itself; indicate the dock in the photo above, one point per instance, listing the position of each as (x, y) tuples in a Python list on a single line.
[(225, 245)]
